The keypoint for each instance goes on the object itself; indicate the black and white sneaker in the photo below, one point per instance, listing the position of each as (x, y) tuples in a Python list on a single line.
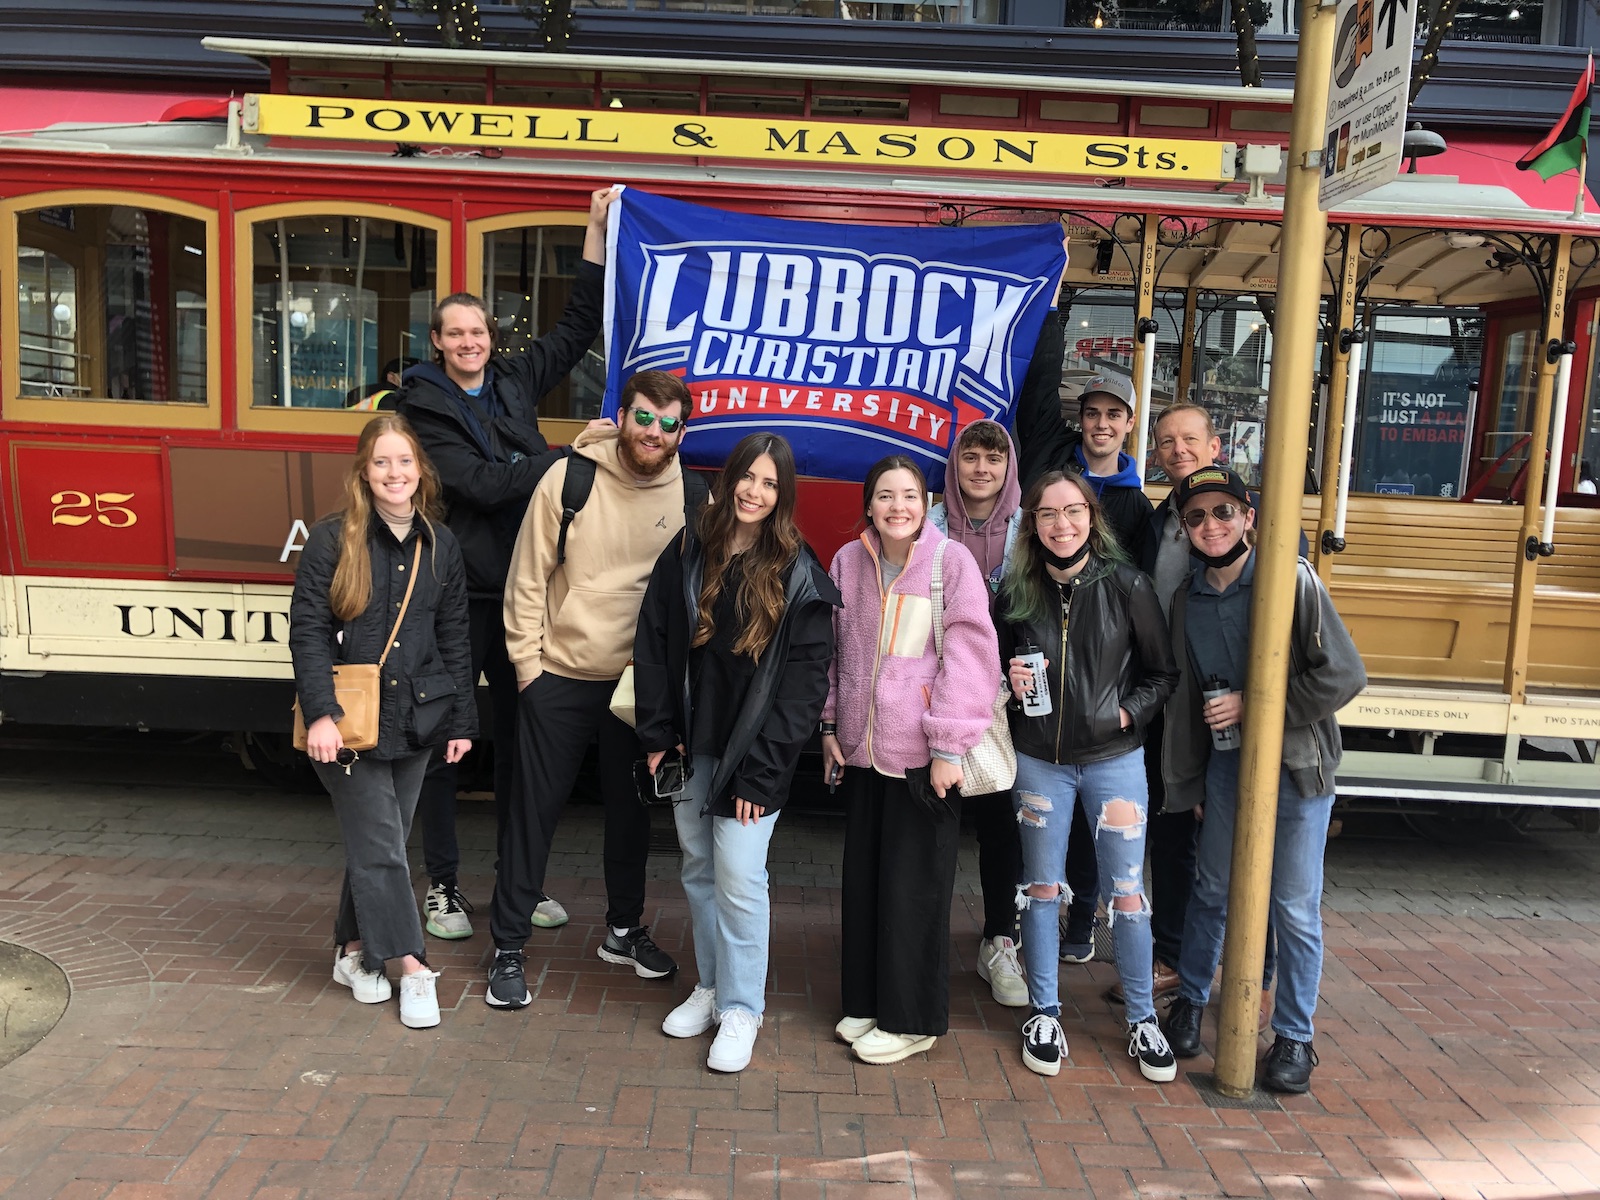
[(636, 950), (507, 986), (1044, 1044), (1148, 1044)]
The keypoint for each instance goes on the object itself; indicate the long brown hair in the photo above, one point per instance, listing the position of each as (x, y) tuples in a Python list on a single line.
[(351, 590), (777, 545), (1024, 584)]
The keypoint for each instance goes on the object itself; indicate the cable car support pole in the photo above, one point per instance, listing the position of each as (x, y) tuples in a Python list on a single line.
[(1295, 334), (1338, 429), (1144, 346)]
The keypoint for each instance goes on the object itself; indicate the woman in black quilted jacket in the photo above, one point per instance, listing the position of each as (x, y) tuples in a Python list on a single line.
[(384, 572)]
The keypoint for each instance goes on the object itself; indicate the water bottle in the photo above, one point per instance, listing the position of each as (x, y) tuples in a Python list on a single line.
[(1221, 739), (1036, 697)]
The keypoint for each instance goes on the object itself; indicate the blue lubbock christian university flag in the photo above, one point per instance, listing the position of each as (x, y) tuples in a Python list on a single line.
[(853, 341)]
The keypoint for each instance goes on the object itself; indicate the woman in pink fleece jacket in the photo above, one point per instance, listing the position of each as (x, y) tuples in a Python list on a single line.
[(900, 720)]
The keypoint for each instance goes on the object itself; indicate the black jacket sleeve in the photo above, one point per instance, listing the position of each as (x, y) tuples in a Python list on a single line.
[(1128, 511), (450, 634), (312, 623), (796, 709), (655, 691), (1153, 643), (551, 359), (1043, 438), (468, 476)]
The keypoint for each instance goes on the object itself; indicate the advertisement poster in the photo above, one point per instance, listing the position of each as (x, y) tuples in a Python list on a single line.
[(1367, 97), (852, 341), (1413, 436)]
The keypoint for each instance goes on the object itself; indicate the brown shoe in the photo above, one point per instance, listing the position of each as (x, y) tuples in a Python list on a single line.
[(1164, 980)]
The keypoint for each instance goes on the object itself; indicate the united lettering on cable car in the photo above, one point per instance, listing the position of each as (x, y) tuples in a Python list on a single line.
[(791, 142)]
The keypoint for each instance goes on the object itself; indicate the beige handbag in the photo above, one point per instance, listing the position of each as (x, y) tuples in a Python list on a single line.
[(356, 686), (622, 703)]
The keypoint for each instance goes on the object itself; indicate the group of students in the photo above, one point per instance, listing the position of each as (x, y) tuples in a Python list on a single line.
[(551, 572)]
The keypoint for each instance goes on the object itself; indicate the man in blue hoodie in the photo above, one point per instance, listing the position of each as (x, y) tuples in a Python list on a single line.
[(1105, 414)]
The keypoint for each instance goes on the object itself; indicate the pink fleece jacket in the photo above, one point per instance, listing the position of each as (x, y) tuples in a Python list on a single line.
[(893, 704)]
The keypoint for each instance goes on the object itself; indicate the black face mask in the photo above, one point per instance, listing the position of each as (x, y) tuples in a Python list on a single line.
[(1072, 560), (1240, 549)]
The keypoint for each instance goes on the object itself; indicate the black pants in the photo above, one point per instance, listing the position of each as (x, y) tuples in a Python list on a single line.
[(1083, 877), (1171, 839), (899, 874), (436, 808), (999, 860), (557, 718)]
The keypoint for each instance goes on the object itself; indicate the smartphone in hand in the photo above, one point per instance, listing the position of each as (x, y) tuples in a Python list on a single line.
[(666, 786)]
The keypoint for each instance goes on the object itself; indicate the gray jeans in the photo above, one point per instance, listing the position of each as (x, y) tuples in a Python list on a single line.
[(374, 804)]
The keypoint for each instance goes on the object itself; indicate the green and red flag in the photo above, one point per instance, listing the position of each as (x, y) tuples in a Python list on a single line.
[(1564, 146)]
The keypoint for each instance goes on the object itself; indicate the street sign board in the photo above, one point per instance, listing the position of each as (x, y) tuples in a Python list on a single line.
[(1367, 96)]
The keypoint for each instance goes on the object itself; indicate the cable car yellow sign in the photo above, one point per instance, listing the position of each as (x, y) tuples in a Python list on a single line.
[(791, 142)]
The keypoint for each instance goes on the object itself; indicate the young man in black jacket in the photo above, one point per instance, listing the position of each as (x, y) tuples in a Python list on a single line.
[(477, 415)]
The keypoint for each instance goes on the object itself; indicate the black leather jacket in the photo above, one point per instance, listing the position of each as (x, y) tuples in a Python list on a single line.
[(1107, 648), (425, 693)]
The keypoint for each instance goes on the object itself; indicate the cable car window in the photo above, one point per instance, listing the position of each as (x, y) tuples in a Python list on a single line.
[(528, 273), (334, 301), (111, 304)]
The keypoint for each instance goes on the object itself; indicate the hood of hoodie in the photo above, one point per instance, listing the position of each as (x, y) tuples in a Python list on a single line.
[(988, 542), (1126, 474)]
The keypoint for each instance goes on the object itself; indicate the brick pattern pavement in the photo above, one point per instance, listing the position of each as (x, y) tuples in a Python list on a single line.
[(207, 1053)]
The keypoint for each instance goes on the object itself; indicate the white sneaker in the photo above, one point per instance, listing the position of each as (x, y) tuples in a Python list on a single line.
[(735, 1041), (694, 1016), (548, 914), (883, 1047), (852, 1029), (369, 987), (999, 968), (419, 1003), (446, 911)]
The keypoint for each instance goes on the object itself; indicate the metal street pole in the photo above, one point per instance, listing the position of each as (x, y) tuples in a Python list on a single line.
[(1295, 335)]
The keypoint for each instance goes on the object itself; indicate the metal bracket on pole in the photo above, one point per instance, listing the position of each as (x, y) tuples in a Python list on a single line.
[(1559, 352), (1311, 158), (1350, 342)]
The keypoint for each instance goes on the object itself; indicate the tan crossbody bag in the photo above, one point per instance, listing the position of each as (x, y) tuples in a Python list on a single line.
[(356, 686)]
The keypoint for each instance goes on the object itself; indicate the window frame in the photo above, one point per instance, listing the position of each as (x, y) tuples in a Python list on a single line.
[(277, 419), (103, 410)]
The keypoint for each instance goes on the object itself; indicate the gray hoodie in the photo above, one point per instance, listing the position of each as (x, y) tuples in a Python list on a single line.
[(1325, 674)]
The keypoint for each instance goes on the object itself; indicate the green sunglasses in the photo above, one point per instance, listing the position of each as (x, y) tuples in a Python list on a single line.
[(646, 418)]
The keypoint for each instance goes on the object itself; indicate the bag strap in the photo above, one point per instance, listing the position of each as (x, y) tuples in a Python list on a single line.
[(937, 596), (416, 561)]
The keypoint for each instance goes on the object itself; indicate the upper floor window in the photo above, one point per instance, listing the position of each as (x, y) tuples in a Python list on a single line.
[(111, 304), (336, 301)]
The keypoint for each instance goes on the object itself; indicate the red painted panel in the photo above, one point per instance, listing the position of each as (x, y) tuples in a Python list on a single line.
[(829, 514), (84, 507)]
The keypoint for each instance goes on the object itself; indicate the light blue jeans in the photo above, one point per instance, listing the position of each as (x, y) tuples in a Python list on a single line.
[(1297, 850), (1044, 796), (725, 879)]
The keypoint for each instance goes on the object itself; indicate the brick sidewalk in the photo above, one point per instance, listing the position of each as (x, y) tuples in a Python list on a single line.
[(205, 1051)]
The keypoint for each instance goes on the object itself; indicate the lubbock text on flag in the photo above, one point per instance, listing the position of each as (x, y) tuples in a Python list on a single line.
[(852, 341)]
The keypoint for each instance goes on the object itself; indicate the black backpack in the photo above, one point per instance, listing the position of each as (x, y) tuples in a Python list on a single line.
[(575, 489)]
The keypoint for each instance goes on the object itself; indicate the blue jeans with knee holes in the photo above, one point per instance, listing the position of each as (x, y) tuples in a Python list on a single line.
[(1044, 796)]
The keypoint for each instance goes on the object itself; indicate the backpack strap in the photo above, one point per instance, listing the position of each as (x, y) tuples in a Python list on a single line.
[(695, 493), (575, 489)]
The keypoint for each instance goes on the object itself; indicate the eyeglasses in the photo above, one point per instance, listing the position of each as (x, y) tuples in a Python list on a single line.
[(346, 758), (1050, 516), (645, 418), (1196, 517)]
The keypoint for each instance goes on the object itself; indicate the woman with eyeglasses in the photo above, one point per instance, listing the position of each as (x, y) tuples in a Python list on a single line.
[(1070, 593), (897, 721), (730, 669), (383, 573)]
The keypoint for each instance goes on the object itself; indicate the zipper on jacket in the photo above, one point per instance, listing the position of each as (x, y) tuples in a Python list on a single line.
[(1066, 614), (877, 661)]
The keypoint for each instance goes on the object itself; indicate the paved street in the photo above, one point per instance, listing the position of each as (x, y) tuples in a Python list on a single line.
[(205, 1051)]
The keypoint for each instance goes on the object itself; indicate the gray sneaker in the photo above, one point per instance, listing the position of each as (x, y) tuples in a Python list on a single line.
[(548, 914)]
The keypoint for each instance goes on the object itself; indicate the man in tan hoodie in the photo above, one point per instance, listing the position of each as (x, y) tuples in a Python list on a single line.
[(569, 633)]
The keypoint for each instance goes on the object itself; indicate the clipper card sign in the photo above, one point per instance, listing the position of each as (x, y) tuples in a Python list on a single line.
[(852, 341)]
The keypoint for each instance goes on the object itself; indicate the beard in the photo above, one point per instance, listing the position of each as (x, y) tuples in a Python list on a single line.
[(641, 468)]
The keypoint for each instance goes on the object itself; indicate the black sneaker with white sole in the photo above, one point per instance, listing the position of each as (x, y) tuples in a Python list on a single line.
[(1148, 1044), (635, 949), (507, 986), (1044, 1044)]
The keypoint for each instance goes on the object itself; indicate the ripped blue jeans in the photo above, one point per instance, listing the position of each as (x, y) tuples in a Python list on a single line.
[(1115, 798)]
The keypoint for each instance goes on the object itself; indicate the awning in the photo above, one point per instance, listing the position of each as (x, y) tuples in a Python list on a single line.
[(1486, 159)]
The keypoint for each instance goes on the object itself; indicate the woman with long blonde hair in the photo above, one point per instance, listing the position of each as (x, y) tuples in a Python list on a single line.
[(383, 574), (730, 672)]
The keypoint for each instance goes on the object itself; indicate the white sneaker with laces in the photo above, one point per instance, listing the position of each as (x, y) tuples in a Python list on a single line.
[(999, 968), (735, 1041), (852, 1029), (419, 1002), (369, 987), (694, 1016)]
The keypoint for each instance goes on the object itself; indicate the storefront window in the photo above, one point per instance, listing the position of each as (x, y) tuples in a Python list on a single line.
[(336, 301), (528, 274), (112, 304)]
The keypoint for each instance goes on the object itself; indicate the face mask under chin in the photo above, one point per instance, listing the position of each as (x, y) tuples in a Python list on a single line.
[(1226, 559)]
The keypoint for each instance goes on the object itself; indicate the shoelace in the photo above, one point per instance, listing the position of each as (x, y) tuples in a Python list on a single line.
[(737, 1020), (454, 901), (1310, 1050), (507, 965), (1147, 1035), (1042, 1030), (1005, 958), (640, 940)]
